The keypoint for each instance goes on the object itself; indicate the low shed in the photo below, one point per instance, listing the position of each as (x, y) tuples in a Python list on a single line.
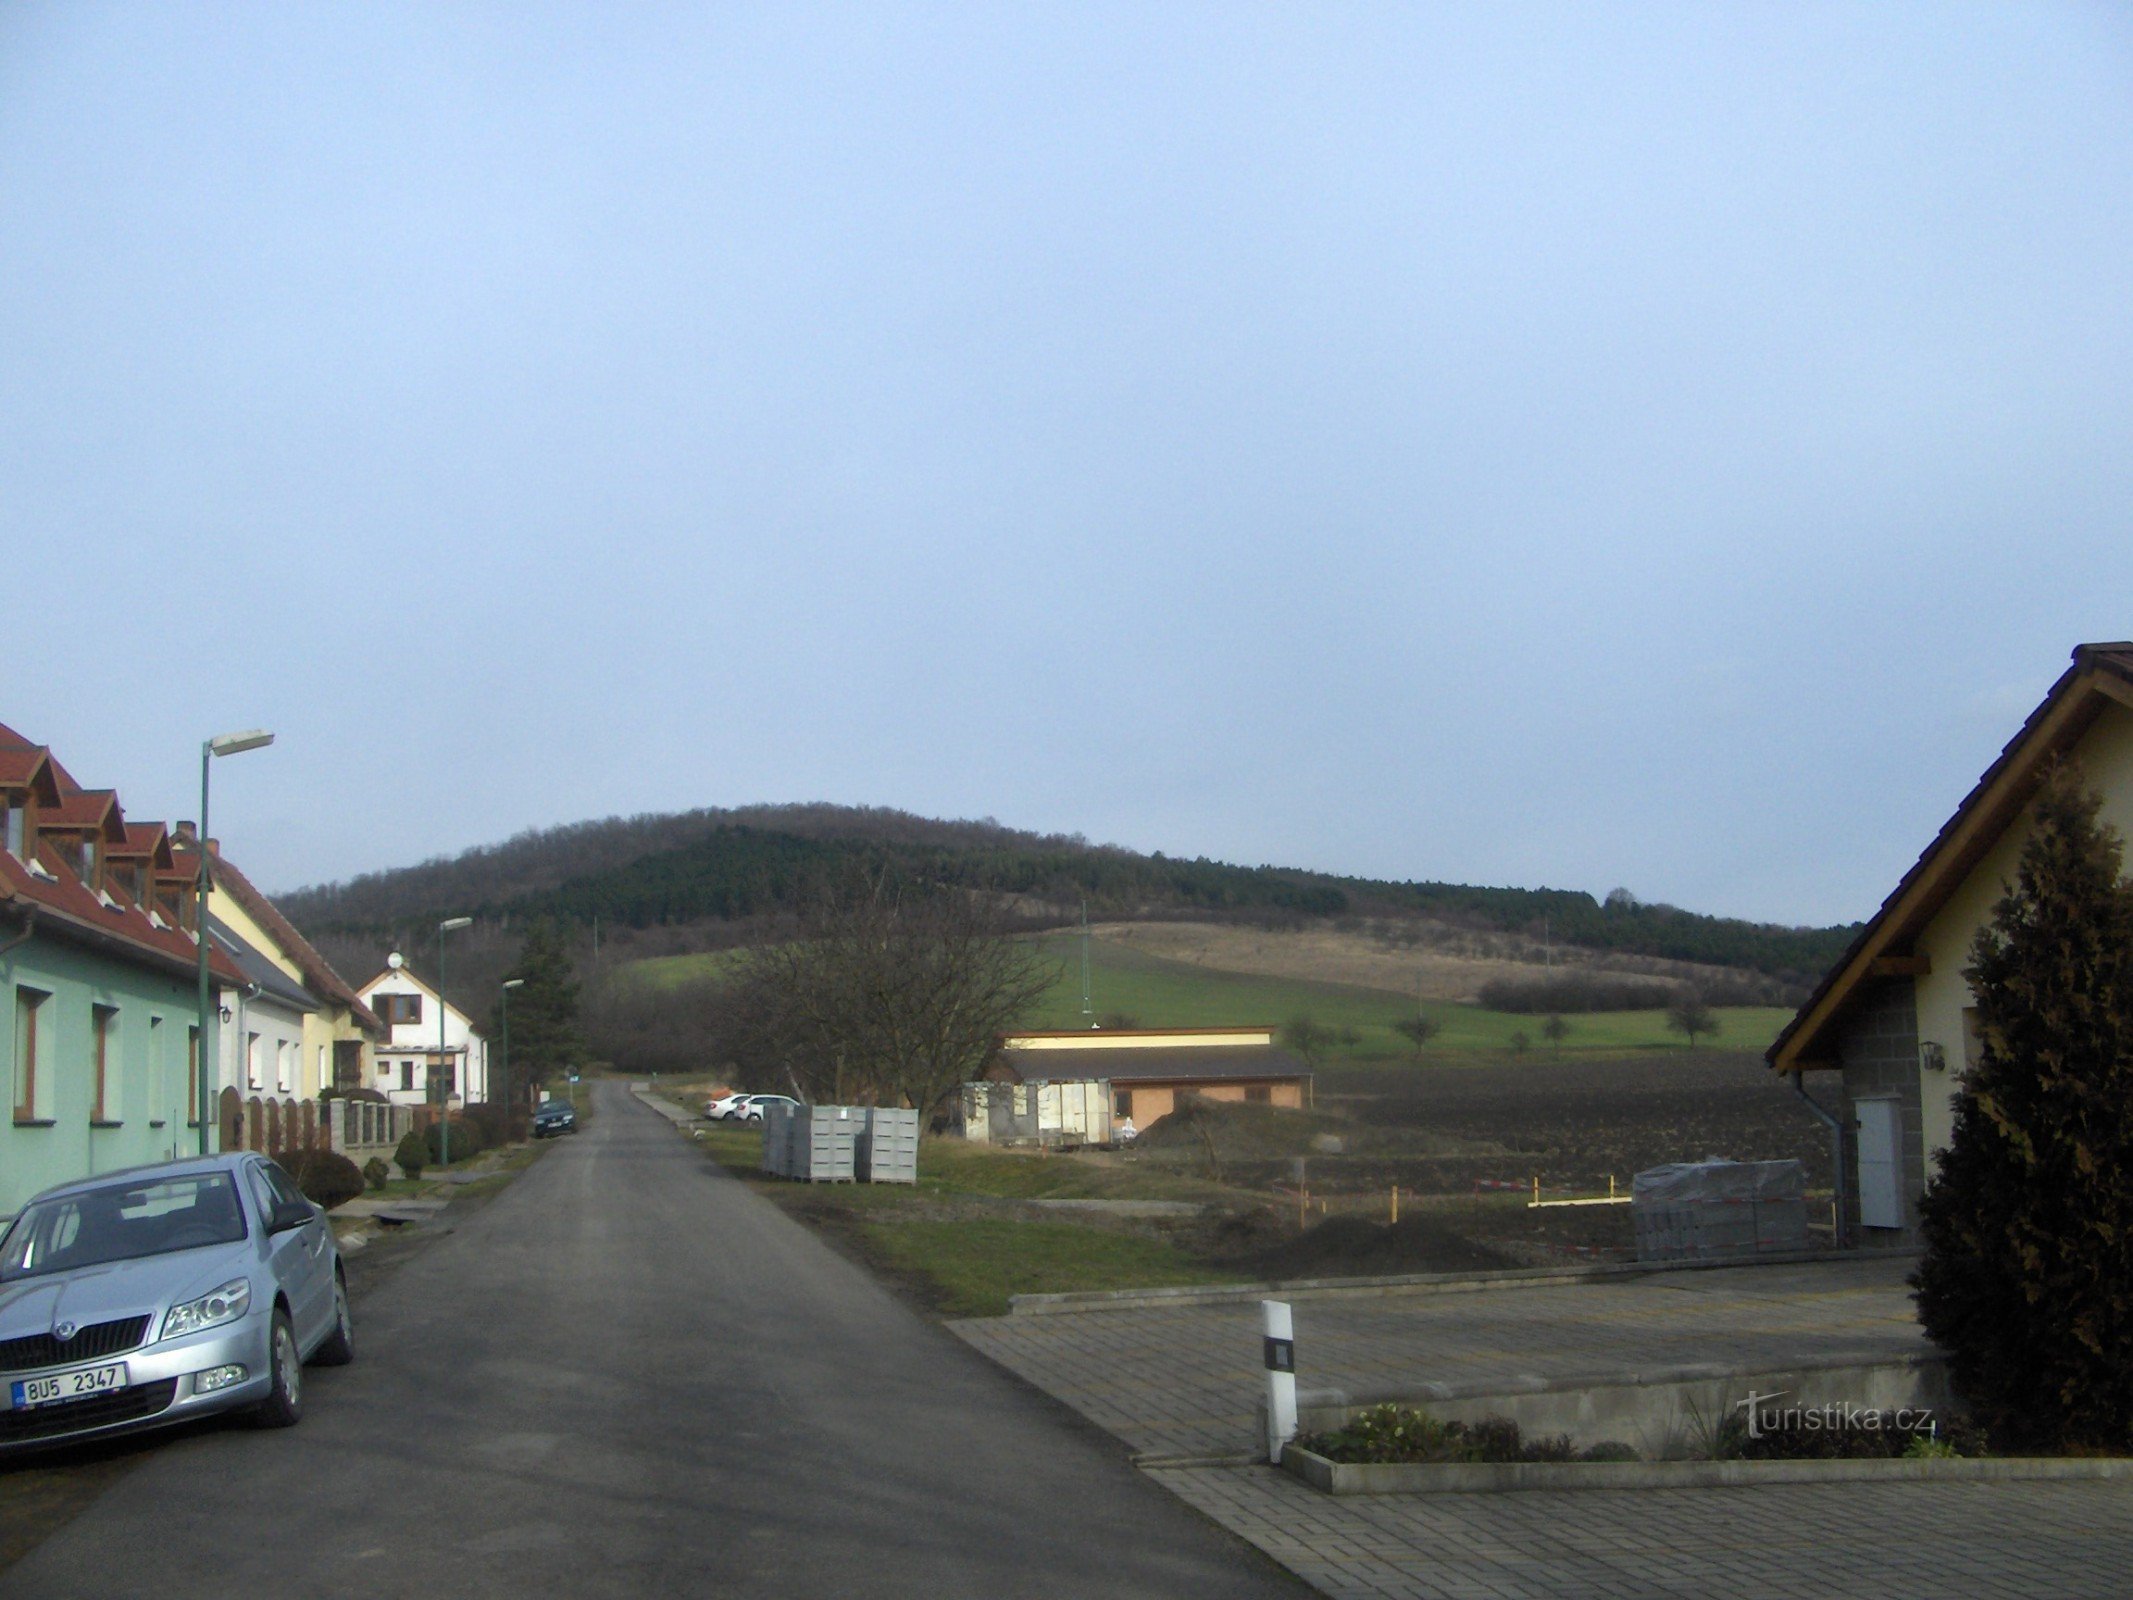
[(1149, 1068)]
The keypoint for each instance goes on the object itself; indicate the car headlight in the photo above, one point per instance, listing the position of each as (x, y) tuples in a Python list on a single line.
[(211, 1310)]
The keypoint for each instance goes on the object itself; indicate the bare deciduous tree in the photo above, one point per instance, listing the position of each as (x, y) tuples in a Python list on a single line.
[(1418, 1030), (891, 992), (1689, 1015)]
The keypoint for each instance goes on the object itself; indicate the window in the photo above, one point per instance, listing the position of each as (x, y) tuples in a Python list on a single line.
[(103, 1024), (1258, 1093), (85, 862), (407, 1075), (1125, 1102), (32, 1049), (251, 1061), (192, 1077), (158, 1069), (14, 822), (398, 1009), (281, 1066)]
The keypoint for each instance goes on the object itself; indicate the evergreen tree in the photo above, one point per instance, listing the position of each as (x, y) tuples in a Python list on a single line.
[(2027, 1276), (545, 1043)]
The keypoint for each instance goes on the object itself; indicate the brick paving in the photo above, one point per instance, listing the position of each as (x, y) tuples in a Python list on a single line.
[(1999, 1541), (1183, 1381)]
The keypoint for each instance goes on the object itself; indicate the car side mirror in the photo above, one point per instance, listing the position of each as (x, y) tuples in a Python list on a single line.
[(290, 1214)]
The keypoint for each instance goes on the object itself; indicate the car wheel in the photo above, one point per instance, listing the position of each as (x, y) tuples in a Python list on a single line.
[(339, 1348), (284, 1404)]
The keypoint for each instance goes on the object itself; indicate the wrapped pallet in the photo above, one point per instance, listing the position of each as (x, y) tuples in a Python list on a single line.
[(824, 1143), (888, 1145), (1708, 1210)]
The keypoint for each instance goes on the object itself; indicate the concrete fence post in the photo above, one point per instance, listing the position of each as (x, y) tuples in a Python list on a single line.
[(1278, 1326)]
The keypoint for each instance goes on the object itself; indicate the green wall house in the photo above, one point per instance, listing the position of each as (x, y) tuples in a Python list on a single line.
[(98, 980)]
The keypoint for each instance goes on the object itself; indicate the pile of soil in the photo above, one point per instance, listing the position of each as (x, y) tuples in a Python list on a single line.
[(1356, 1247), (1240, 1130)]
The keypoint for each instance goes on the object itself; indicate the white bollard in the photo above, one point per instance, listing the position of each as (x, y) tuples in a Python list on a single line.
[(1279, 1329)]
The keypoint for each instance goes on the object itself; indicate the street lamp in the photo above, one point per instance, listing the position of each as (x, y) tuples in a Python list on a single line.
[(444, 1059), (504, 1005), (223, 744)]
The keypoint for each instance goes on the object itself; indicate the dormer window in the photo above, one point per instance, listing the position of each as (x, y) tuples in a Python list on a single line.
[(14, 824), (85, 863)]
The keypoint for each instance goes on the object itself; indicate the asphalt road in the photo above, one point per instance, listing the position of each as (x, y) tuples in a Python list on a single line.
[(629, 1376)]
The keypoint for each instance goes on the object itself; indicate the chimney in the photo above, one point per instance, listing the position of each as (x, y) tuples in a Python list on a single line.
[(214, 848), (184, 833)]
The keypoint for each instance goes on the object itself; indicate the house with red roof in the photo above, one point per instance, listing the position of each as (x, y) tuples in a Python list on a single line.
[(98, 980)]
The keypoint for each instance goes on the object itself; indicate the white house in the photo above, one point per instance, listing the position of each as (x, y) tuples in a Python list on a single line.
[(408, 1053), (262, 1034)]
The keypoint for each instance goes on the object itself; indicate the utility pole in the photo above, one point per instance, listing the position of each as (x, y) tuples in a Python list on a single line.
[(1086, 1010)]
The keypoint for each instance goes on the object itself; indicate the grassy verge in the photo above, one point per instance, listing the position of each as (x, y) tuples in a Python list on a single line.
[(974, 1264), (946, 1240)]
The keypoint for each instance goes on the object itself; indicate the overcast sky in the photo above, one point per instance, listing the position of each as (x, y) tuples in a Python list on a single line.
[(1669, 447)]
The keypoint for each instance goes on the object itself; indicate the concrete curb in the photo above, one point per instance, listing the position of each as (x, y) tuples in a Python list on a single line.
[(1617, 1377), (1350, 1478), (1037, 1305)]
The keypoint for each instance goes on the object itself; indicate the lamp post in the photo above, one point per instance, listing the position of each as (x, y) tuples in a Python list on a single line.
[(444, 1059), (223, 744), (504, 1009)]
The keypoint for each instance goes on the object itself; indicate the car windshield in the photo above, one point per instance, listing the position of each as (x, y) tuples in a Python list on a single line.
[(122, 1222)]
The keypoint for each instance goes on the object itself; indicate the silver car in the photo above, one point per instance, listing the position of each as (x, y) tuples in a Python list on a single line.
[(142, 1298)]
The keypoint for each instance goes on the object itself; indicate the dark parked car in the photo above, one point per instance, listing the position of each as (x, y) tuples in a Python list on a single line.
[(150, 1296), (552, 1117)]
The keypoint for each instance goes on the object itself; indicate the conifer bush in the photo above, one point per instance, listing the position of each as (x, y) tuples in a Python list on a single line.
[(2026, 1280)]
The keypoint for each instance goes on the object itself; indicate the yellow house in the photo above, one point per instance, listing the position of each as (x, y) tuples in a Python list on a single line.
[(1895, 1020), (338, 1037)]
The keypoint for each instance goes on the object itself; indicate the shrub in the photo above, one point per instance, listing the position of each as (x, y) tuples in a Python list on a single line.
[(489, 1118), (372, 1096), (326, 1177), (466, 1140), (412, 1154), (1397, 1433), (377, 1173), (2027, 1276)]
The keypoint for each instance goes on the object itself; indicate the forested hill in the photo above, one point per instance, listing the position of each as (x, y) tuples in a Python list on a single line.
[(720, 866)]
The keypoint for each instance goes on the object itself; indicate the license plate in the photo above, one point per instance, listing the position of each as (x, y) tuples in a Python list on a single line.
[(26, 1392)]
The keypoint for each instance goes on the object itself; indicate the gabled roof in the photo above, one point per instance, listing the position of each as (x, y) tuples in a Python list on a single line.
[(88, 811), (369, 988), (149, 841), (66, 908), (1156, 1064), (318, 973), (2101, 676)]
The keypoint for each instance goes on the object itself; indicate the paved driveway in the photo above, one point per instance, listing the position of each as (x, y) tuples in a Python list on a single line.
[(627, 1376), (1184, 1381)]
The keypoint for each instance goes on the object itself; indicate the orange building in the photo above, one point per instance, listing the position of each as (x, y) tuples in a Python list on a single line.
[(1148, 1068)]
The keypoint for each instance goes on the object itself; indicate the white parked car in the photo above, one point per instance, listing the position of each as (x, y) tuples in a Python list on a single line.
[(758, 1103), (725, 1108)]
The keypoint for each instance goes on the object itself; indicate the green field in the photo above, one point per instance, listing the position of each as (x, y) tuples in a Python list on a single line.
[(1169, 994)]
